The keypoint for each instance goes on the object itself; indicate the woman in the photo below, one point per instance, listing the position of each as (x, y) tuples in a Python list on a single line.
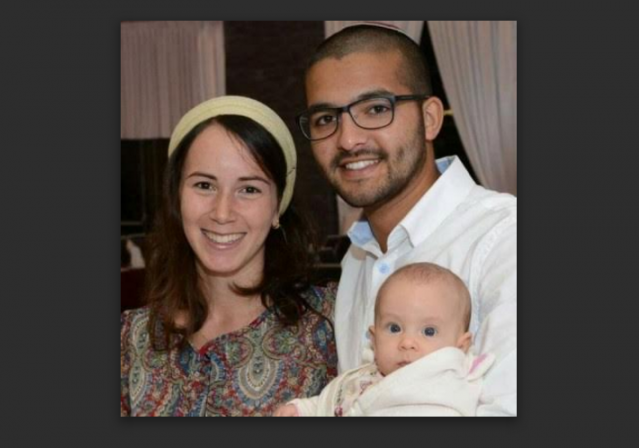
[(231, 326)]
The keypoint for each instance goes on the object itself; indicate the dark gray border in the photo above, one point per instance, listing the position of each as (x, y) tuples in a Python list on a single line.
[(60, 173)]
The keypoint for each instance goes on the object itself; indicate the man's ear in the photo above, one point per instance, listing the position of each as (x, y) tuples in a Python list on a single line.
[(463, 343), (433, 111)]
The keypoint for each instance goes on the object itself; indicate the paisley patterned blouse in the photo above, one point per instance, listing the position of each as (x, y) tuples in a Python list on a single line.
[(247, 372)]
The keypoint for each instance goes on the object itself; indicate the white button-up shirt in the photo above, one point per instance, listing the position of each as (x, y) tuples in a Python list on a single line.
[(468, 229)]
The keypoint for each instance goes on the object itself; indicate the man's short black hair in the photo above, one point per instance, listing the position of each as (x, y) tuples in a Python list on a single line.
[(413, 73)]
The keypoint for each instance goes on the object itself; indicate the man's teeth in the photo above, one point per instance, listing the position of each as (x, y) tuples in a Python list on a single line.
[(223, 239), (360, 165)]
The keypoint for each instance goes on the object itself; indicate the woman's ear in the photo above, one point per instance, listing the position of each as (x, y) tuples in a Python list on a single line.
[(433, 111)]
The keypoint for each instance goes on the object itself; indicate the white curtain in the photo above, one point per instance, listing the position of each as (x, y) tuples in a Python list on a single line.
[(412, 28), (478, 64), (166, 69)]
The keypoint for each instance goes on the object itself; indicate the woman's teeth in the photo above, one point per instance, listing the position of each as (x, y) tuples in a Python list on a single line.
[(223, 239)]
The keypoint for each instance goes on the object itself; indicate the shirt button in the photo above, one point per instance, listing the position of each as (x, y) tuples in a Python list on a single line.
[(384, 268)]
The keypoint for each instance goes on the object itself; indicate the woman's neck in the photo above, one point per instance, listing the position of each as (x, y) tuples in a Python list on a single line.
[(228, 311)]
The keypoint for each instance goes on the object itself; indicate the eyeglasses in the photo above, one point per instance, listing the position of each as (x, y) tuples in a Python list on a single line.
[(369, 113)]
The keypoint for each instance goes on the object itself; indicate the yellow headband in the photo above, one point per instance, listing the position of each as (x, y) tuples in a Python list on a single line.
[(256, 111)]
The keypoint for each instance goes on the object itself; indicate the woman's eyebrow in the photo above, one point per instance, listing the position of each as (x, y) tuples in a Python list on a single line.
[(258, 178), (201, 174), (240, 179)]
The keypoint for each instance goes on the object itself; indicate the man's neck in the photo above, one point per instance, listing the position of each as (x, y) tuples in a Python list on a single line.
[(385, 217)]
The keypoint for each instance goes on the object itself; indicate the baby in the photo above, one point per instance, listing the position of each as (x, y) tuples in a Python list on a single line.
[(422, 364)]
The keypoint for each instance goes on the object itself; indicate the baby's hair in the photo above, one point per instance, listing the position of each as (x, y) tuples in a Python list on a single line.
[(424, 272)]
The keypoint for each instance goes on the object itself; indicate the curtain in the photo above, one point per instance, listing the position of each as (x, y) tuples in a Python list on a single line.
[(478, 64), (412, 28), (166, 69)]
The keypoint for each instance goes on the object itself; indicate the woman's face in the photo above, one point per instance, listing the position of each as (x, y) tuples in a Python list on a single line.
[(228, 206)]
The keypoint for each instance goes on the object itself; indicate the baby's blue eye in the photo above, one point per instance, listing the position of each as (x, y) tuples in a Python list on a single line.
[(394, 328), (430, 331)]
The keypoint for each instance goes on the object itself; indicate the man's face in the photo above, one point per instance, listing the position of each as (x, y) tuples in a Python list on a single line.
[(367, 167)]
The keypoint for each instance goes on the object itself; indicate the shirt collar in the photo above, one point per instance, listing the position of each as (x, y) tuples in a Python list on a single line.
[(450, 189), (443, 197)]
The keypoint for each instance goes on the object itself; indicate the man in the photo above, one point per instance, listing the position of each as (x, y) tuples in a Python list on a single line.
[(371, 121)]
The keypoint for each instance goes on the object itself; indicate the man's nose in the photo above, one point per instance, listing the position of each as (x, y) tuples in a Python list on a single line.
[(349, 135)]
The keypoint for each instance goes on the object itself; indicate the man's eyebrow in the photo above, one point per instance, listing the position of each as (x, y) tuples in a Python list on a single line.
[(362, 96)]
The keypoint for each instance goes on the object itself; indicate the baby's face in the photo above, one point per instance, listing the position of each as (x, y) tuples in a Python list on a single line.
[(414, 320)]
